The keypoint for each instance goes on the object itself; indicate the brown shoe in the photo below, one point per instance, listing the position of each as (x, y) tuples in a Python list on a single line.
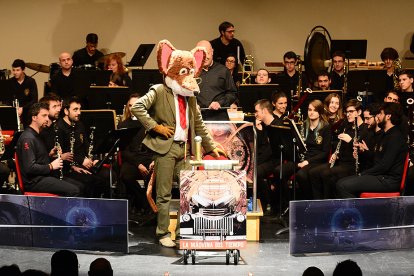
[(167, 242)]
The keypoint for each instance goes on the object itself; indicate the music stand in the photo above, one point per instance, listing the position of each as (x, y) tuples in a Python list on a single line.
[(8, 118), (249, 94), (282, 139), (104, 97), (141, 55), (115, 141), (353, 48)]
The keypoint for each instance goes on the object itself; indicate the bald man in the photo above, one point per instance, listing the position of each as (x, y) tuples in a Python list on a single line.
[(63, 81), (217, 88)]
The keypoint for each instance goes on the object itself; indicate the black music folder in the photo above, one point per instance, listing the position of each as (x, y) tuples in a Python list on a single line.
[(249, 94), (141, 55), (353, 49)]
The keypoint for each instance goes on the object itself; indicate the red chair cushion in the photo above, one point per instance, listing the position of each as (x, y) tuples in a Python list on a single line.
[(370, 195)]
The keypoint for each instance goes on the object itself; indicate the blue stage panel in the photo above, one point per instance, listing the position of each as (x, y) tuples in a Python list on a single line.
[(73, 223), (351, 225)]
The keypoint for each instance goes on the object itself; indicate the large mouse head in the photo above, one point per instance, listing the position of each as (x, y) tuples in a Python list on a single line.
[(180, 68)]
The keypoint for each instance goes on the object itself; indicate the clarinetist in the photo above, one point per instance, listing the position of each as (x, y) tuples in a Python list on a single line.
[(385, 175), (323, 177)]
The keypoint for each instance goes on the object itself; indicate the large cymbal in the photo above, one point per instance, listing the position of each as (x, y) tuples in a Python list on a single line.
[(120, 54), (38, 67)]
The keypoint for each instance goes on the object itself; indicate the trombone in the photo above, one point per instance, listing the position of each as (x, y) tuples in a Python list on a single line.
[(247, 69)]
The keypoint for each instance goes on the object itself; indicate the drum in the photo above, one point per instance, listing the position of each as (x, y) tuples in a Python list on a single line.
[(53, 69)]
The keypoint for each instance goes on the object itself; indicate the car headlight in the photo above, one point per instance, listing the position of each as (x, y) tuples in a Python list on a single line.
[(186, 217)]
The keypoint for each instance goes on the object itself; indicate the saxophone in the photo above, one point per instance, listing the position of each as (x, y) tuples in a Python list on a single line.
[(58, 150), (91, 142)]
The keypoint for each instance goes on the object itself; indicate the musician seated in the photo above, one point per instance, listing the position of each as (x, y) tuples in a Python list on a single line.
[(90, 54), (337, 75), (232, 66), (288, 80), (36, 168), (324, 81), (136, 158), (317, 137), (365, 153), (385, 175), (266, 161), (279, 102), (73, 138), (395, 97), (119, 76), (63, 83), (341, 163), (333, 108), (388, 56), (262, 77), (406, 81)]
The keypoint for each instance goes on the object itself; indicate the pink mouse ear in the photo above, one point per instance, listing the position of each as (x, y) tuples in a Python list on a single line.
[(164, 50), (200, 55)]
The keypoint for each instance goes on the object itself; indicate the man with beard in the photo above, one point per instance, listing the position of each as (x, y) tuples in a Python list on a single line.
[(226, 45), (385, 175), (70, 127), (338, 73), (36, 168)]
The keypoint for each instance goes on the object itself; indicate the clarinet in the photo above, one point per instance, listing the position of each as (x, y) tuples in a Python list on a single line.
[(72, 141), (58, 150), (336, 152), (91, 142), (17, 106), (355, 142)]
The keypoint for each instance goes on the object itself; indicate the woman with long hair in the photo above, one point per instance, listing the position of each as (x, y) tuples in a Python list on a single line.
[(119, 76), (333, 108), (317, 137)]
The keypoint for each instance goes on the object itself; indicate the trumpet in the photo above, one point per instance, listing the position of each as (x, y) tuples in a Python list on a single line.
[(247, 69)]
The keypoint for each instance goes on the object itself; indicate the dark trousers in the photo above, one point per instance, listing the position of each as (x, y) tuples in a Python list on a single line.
[(264, 170), (4, 173), (303, 184), (323, 179), (65, 187), (129, 176), (94, 186), (353, 186)]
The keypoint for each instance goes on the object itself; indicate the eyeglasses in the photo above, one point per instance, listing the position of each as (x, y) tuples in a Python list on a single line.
[(290, 62), (350, 111)]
